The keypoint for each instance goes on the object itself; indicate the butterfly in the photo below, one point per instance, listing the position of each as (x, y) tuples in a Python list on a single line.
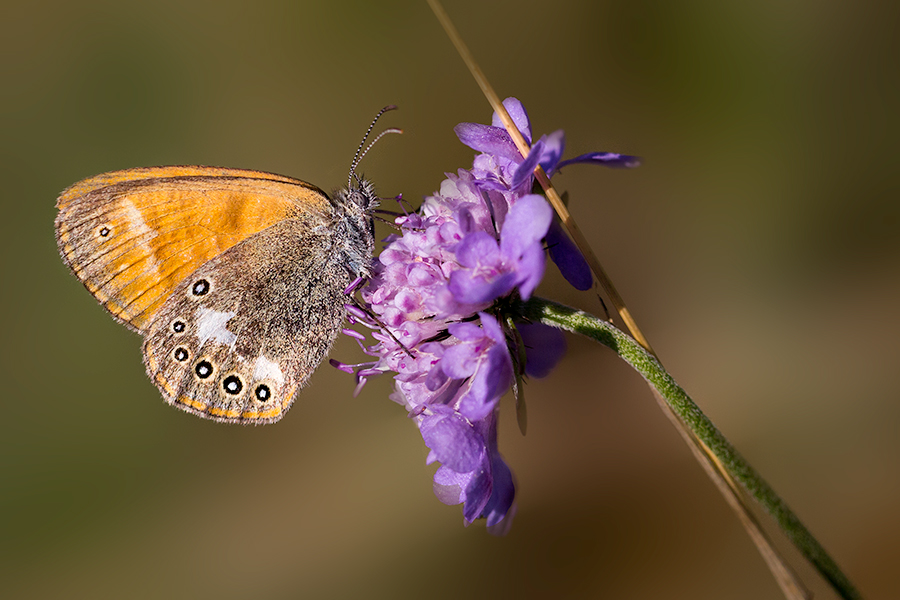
[(236, 279)]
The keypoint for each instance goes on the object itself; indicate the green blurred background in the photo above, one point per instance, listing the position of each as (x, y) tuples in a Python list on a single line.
[(757, 247)]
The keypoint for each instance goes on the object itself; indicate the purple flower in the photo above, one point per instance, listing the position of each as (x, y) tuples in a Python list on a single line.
[(437, 297), (492, 270)]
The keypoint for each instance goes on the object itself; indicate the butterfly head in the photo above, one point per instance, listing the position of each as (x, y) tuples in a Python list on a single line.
[(355, 203)]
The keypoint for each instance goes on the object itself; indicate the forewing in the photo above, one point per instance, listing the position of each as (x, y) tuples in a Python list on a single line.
[(132, 236)]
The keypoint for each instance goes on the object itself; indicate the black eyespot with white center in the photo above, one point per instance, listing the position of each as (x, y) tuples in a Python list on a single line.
[(203, 369), (262, 392), (104, 231), (200, 287), (181, 354), (178, 326), (232, 385)]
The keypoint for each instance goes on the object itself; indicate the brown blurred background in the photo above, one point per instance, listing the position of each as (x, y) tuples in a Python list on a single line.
[(758, 247)]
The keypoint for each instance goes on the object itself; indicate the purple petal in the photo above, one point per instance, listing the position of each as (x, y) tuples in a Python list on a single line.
[(459, 361), (530, 270), (476, 249), (503, 527), (491, 380), (421, 275), (554, 145), (568, 258), (525, 170), (454, 441), (492, 183), (502, 495), (491, 328), (478, 289), (484, 138), (465, 220), (607, 159), (544, 347), (467, 332), (449, 485), (519, 116), (435, 379), (526, 224), (478, 493)]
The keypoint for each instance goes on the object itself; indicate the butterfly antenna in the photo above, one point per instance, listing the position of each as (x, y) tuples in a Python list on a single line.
[(360, 153)]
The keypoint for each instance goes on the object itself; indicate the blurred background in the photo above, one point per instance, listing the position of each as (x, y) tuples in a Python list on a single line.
[(758, 248)]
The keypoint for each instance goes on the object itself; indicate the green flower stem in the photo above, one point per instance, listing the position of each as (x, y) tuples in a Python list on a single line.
[(557, 315)]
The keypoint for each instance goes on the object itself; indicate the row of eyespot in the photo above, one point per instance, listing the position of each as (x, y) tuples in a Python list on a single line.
[(232, 384)]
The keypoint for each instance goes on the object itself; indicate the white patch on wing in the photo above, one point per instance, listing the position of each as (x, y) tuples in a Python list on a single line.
[(211, 325), (267, 369), (136, 223)]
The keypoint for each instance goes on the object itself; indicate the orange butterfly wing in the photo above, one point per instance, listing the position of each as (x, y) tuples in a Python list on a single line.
[(132, 236)]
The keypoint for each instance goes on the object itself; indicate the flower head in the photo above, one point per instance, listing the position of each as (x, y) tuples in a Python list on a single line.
[(436, 295)]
